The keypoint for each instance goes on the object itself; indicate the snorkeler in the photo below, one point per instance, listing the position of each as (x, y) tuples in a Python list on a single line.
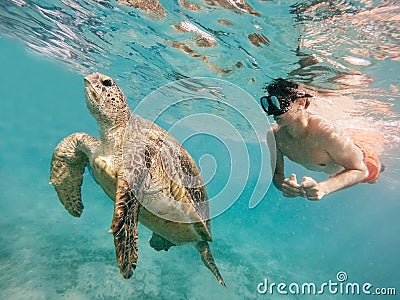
[(315, 143)]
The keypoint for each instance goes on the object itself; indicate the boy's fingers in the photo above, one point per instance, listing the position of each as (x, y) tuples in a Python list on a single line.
[(290, 189), (290, 185), (308, 182), (292, 181)]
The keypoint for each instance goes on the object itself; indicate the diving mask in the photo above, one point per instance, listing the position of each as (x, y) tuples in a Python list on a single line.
[(274, 106)]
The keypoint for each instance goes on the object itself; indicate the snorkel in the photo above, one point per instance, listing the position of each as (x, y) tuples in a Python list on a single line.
[(279, 95)]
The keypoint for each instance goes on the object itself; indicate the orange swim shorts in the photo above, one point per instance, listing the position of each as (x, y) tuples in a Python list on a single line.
[(371, 161)]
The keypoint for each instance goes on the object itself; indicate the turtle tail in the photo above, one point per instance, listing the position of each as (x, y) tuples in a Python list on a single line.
[(208, 260)]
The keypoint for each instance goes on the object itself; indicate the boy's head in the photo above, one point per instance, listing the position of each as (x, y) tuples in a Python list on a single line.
[(279, 95)]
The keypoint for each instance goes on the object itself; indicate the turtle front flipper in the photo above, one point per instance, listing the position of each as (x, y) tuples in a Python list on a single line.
[(208, 260), (124, 227), (68, 164)]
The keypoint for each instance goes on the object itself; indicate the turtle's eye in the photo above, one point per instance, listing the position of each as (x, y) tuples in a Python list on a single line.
[(107, 82)]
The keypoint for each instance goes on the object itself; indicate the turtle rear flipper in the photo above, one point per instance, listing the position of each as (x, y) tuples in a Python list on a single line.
[(124, 227), (68, 164), (208, 260)]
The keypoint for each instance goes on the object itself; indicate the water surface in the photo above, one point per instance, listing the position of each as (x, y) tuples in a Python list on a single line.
[(347, 52)]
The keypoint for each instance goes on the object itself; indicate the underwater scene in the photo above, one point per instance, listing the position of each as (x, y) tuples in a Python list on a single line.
[(197, 69)]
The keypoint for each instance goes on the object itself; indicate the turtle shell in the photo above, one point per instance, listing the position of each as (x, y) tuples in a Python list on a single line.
[(166, 181)]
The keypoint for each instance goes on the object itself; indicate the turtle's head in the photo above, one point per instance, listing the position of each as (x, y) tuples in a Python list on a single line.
[(105, 100)]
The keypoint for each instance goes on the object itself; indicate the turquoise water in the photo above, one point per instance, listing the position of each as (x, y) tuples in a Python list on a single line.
[(47, 48)]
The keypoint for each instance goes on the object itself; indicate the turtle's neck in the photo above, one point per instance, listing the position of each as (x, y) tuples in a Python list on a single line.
[(111, 137)]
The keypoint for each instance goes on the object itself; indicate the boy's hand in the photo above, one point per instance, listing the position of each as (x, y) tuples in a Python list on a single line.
[(312, 189), (290, 187)]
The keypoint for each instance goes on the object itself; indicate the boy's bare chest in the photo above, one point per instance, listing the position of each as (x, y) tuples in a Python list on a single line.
[(307, 151)]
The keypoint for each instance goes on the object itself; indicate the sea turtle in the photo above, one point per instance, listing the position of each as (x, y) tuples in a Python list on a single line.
[(146, 172)]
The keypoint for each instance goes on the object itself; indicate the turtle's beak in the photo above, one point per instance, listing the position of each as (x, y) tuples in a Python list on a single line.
[(90, 90), (91, 96), (86, 83)]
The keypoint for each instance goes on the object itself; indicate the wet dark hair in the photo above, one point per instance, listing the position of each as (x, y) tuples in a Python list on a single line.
[(283, 88)]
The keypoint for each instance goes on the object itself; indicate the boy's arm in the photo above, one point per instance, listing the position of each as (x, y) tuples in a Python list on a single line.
[(345, 153), (279, 172), (288, 186), (276, 160)]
